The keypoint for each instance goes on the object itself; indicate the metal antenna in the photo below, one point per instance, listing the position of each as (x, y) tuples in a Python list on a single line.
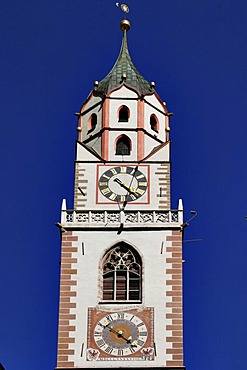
[(185, 224)]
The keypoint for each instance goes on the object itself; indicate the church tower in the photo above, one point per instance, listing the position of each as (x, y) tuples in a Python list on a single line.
[(121, 265)]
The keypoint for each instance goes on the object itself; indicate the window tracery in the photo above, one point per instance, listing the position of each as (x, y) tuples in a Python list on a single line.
[(122, 273)]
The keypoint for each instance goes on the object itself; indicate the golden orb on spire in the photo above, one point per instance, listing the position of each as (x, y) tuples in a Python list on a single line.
[(125, 25)]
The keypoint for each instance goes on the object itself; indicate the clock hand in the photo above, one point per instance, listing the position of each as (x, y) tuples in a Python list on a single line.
[(119, 333), (121, 183), (134, 343), (130, 189), (118, 181)]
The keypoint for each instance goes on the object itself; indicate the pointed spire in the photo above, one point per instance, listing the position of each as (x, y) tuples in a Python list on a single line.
[(124, 71)]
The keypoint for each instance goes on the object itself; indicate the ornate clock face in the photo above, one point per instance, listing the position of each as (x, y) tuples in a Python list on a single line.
[(123, 184), (120, 334)]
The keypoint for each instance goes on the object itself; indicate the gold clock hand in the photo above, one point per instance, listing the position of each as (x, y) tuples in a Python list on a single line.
[(125, 186), (119, 333), (134, 343)]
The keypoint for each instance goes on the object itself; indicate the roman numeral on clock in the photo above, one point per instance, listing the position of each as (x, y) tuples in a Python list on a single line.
[(113, 196), (143, 333), (140, 342), (97, 334), (105, 191), (139, 191), (132, 349), (109, 349), (100, 343), (140, 324)]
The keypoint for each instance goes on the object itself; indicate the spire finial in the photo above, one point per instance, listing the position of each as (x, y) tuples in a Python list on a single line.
[(124, 7), (125, 25)]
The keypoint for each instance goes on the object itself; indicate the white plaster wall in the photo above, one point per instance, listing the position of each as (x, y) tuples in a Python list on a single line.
[(148, 244), (150, 143), (98, 110), (89, 201), (114, 106), (113, 135), (148, 110)]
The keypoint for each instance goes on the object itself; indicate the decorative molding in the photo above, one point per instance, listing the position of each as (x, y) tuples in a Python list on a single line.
[(77, 218)]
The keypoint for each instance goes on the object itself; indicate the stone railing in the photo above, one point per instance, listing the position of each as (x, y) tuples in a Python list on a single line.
[(127, 218)]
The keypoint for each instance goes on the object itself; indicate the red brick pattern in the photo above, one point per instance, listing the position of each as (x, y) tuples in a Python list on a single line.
[(80, 181), (66, 318), (163, 174), (174, 305)]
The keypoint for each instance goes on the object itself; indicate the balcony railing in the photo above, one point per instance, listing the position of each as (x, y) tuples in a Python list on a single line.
[(128, 218)]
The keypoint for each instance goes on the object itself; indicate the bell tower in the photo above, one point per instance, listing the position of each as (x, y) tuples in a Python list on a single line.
[(121, 264)]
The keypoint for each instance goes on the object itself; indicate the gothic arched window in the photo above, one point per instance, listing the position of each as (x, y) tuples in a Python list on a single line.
[(92, 122), (123, 114), (123, 145), (122, 274), (154, 123)]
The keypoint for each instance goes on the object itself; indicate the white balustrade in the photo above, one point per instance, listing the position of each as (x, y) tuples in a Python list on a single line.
[(111, 218)]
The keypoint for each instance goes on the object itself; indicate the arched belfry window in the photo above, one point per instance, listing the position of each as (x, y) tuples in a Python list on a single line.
[(123, 114), (92, 122), (154, 123), (123, 145), (122, 274)]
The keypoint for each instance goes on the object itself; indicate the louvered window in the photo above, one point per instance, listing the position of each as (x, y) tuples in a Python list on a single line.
[(122, 274)]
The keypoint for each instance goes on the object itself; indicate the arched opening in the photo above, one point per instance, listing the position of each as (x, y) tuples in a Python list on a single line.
[(123, 114), (154, 123), (92, 122), (123, 145), (122, 274)]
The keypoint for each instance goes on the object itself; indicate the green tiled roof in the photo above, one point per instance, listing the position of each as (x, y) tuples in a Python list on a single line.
[(124, 66)]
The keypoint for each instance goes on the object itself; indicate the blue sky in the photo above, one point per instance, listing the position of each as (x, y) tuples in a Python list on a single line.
[(51, 53)]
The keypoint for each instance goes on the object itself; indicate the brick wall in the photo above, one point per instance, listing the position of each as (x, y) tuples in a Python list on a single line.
[(80, 182), (174, 306), (163, 176), (66, 318)]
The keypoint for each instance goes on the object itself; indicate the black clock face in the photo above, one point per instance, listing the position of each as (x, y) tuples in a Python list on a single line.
[(123, 183), (120, 334)]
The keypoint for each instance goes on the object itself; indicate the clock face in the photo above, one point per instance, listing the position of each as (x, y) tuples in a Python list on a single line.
[(120, 334), (123, 184)]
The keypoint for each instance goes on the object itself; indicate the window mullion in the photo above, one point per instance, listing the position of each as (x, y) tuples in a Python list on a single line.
[(127, 287), (115, 286)]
